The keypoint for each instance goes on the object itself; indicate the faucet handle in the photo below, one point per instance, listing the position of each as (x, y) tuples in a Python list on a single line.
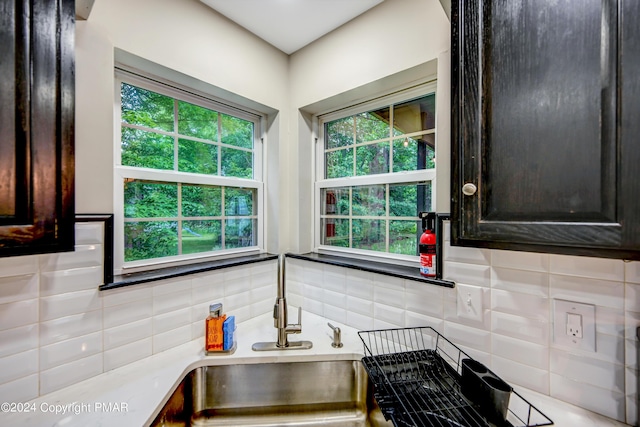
[(300, 316)]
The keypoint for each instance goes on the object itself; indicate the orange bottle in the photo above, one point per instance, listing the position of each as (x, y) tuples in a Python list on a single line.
[(214, 338)]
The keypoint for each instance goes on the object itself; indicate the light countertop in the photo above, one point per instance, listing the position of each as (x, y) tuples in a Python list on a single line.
[(131, 395)]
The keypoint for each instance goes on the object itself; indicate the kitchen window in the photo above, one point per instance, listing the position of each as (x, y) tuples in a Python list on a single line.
[(375, 164), (188, 176)]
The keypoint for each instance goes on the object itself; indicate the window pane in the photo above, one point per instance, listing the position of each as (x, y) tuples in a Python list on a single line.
[(237, 131), (415, 116), (200, 200), (335, 201), (237, 163), (197, 157), (409, 199), (403, 237), (369, 200), (144, 199), (339, 163), (201, 236), (145, 240), (146, 149), (238, 233), (372, 159), (197, 121), (372, 125), (145, 108), (335, 232), (415, 153), (369, 234), (339, 133), (239, 201)]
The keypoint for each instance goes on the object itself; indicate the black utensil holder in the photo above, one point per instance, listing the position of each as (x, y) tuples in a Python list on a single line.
[(486, 389)]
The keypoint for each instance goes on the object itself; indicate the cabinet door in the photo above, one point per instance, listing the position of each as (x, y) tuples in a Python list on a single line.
[(536, 110), (36, 126)]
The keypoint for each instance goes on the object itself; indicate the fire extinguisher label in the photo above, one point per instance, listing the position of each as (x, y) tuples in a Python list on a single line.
[(427, 249)]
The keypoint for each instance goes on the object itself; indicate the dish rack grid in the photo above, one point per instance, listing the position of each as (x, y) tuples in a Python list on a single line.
[(417, 378)]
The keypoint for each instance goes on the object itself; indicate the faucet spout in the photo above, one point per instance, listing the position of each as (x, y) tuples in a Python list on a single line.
[(280, 321)]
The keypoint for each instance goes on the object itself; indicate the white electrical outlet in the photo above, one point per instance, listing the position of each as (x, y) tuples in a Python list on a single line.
[(574, 325)]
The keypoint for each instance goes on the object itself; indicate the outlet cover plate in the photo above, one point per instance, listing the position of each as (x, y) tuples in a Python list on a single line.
[(470, 302), (561, 337)]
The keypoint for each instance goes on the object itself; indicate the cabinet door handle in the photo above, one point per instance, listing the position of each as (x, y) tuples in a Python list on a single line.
[(469, 189)]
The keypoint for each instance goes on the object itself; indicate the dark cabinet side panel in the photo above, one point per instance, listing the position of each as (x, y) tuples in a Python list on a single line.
[(37, 213)]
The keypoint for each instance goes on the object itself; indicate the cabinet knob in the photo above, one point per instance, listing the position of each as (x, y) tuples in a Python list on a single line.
[(469, 189)]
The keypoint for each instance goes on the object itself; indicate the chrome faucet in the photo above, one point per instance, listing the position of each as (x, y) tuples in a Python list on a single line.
[(280, 319)]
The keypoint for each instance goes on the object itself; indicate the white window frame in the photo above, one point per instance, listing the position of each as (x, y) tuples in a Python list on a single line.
[(122, 172), (321, 183)]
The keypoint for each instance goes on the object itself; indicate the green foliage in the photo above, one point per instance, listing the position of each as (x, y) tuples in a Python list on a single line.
[(230, 137)]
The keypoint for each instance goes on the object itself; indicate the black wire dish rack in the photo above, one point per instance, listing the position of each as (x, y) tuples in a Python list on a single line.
[(421, 378)]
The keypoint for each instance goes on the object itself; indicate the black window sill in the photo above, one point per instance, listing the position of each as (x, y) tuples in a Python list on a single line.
[(384, 268), (183, 270)]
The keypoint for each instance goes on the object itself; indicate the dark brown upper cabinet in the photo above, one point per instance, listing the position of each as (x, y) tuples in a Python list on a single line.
[(37, 94), (546, 126)]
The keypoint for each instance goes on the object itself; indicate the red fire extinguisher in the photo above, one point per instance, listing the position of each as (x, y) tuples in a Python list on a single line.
[(428, 245), (331, 210)]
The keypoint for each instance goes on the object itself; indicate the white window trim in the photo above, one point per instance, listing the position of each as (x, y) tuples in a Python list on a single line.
[(122, 172), (321, 183)]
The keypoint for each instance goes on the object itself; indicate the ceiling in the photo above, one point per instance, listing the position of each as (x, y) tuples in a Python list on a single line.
[(290, 24)]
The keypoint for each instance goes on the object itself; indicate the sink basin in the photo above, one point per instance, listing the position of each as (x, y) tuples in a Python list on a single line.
[(325, 393)]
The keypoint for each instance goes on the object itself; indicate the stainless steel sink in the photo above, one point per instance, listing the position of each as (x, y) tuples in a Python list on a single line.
[(327, 393)]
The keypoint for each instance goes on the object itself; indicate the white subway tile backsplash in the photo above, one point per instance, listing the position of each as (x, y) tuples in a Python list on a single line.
[(335, 299), (526, 282), (67, 304), (336, 314), (587, 370), (171, 320), (70, 373), (389, 296), (335, 279), (127, 333), (18, 365), (128, 353), (19, 266), (469, 274), (631, 382), (600, 400), (20, 390), (20, 313), (523, 352), (112, 297), (205, 291), (19, 339), (359, 321), (588, 291), (312, 305), (164, 303), (359, 305), (594, 268), (524, 305), (389, 314), (360, 284), (70, 327), (233, 287), (424, 299), (166, 287), (77, 279), (394, 283), (412, 320), (527, 261), (237, 274), (67, 351), (18, 288), (462, 335), (632, 272), (632, 297), (236, 301), (83, 256), (261, 307), (89, 233), (523, 328), (467, 255), (265, 293), (520, 374), (172, 338), (126, 313)]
